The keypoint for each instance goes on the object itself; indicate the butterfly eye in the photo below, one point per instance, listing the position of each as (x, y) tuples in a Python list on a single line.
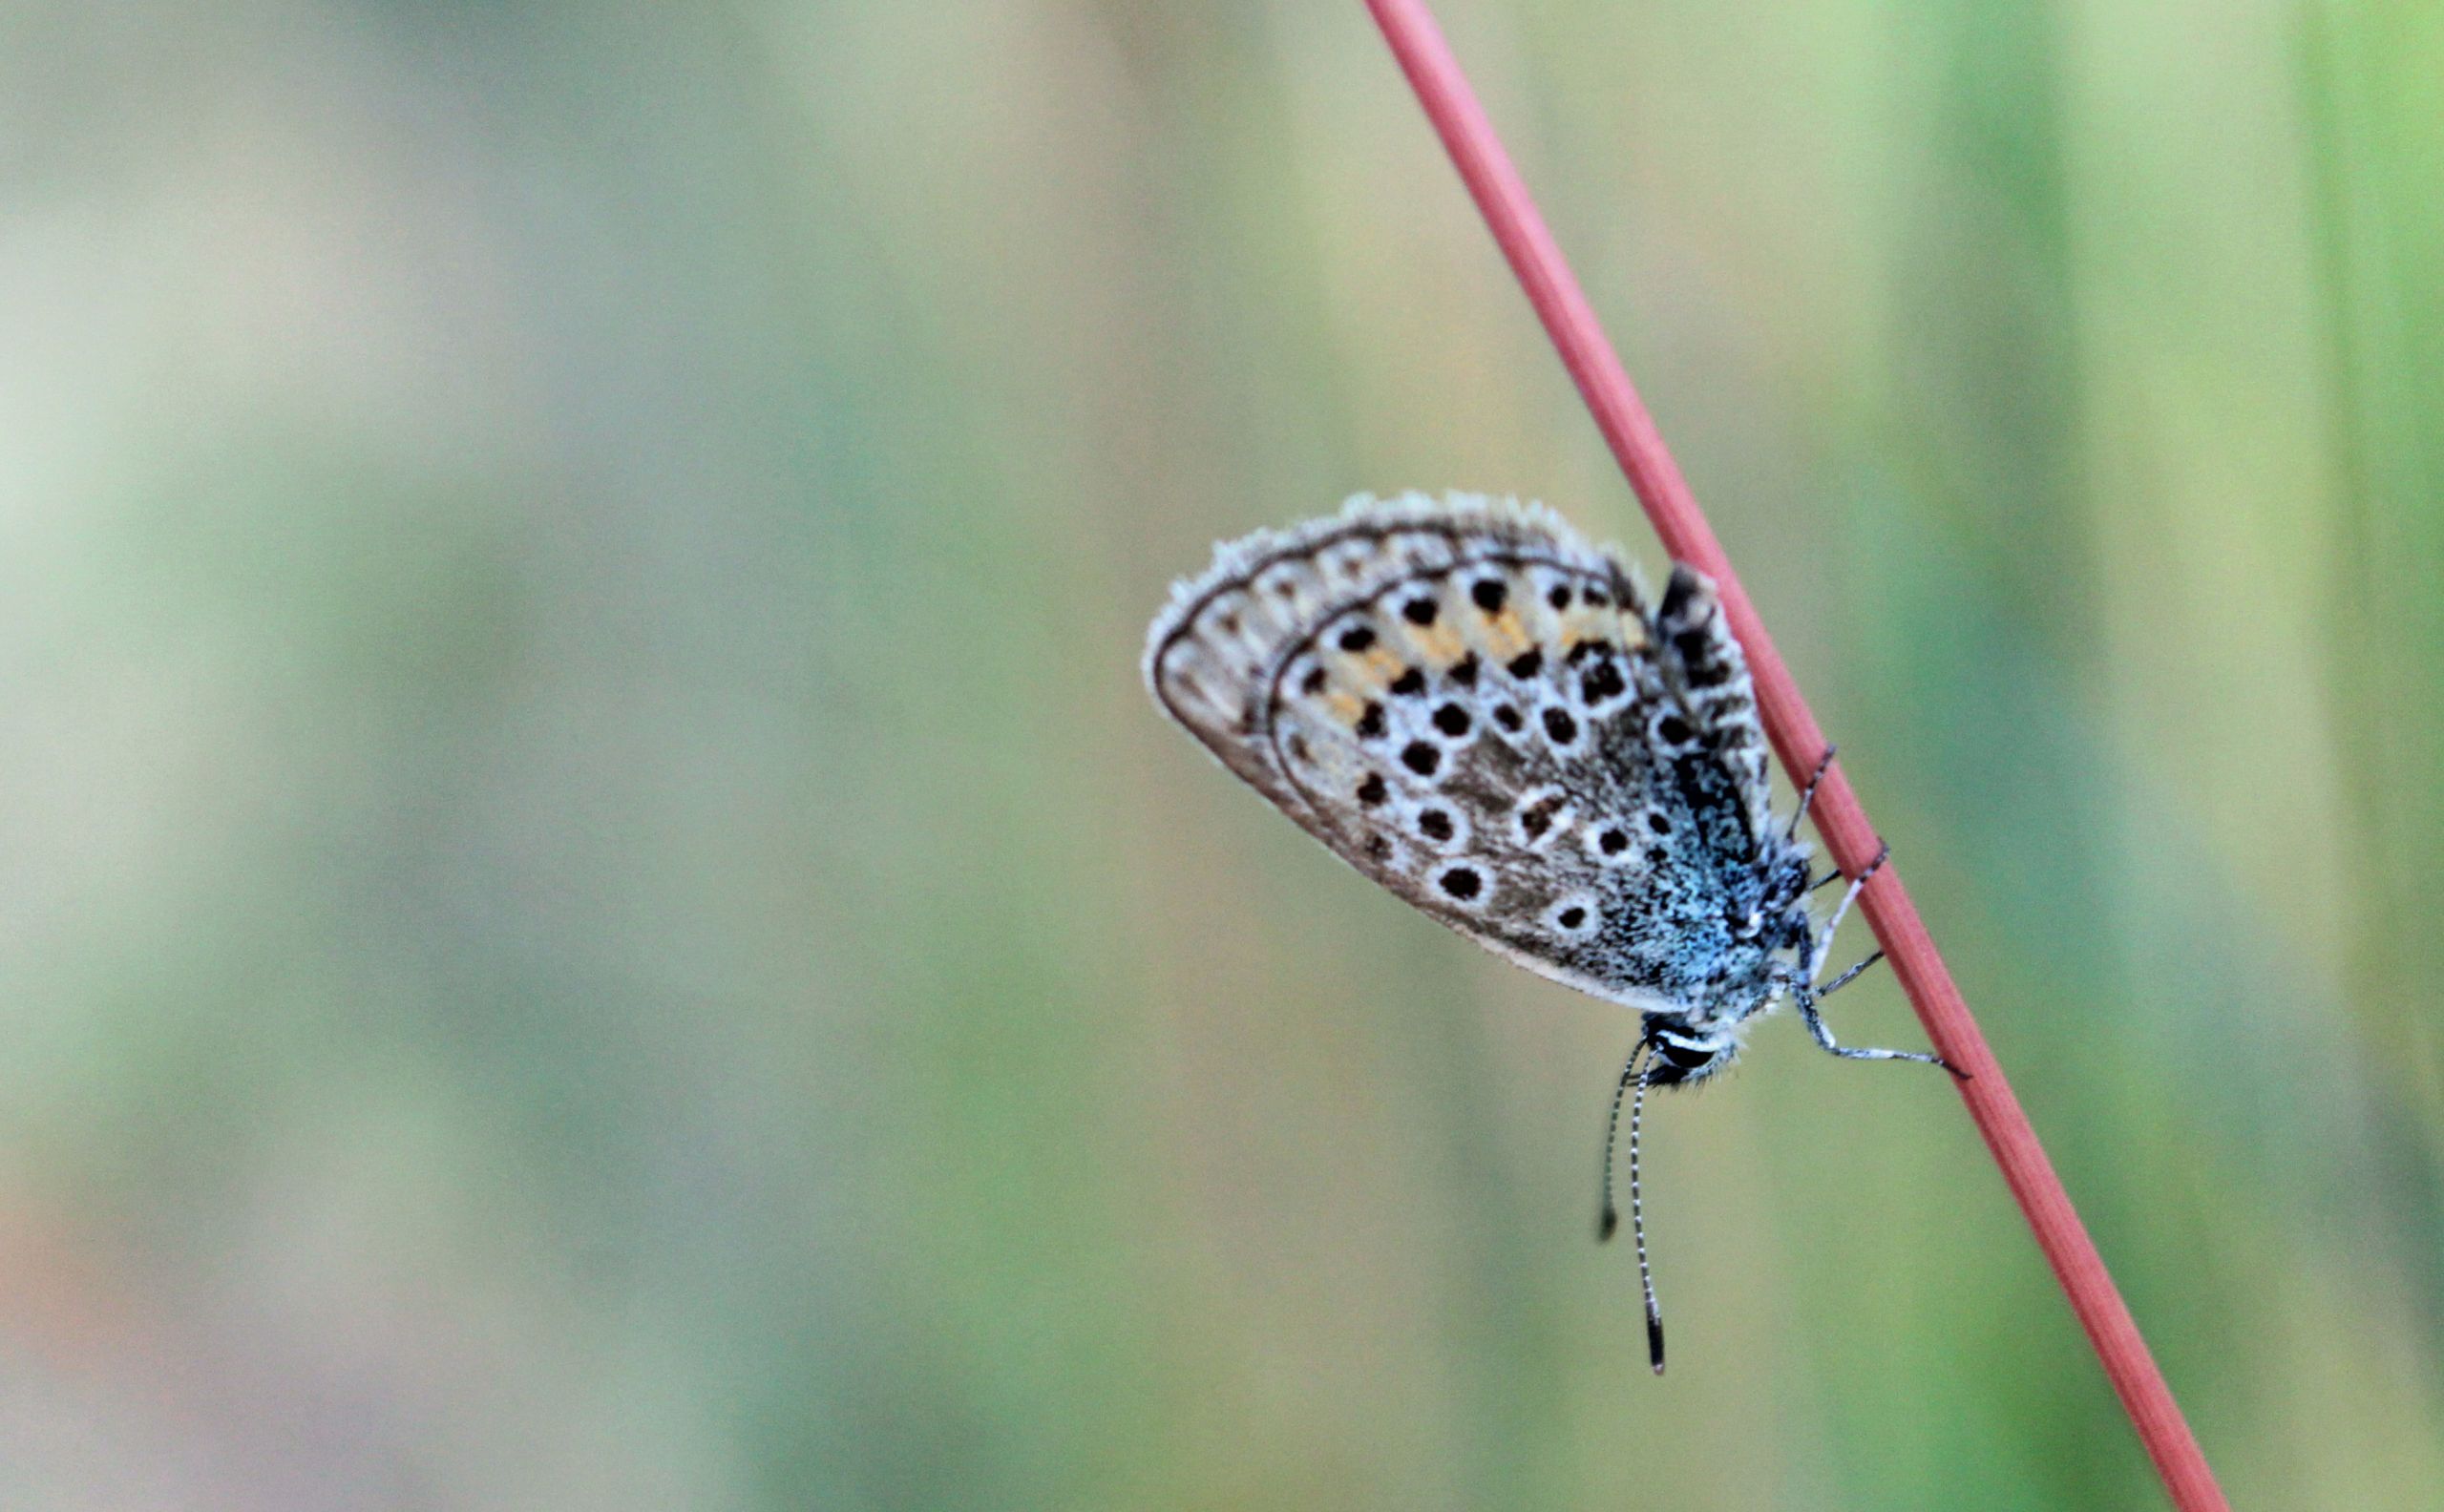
[(1682, 1055)]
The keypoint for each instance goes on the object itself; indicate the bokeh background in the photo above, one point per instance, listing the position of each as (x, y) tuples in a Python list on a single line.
[(594, 916)]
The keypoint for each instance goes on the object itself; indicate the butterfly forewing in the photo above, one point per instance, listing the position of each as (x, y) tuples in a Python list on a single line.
[(1709, 677), (1471, 705)]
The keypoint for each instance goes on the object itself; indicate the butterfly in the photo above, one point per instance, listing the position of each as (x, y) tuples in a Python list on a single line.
[(1468, 703)]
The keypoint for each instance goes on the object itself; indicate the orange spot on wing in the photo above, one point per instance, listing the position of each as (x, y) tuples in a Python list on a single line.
[(1504, 636), (1439, 645)]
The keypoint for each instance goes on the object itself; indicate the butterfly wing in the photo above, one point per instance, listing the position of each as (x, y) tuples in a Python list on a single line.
[(1471, 704), (1708, 677)]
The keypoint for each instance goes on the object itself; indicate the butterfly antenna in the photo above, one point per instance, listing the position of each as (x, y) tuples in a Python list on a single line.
[(1609, 1219), (1637, 1224)]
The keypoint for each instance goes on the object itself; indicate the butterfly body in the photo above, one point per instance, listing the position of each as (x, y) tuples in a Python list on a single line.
[(1473, 706)]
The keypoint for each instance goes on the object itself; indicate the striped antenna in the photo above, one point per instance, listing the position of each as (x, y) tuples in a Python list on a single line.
[(1609, 1219)]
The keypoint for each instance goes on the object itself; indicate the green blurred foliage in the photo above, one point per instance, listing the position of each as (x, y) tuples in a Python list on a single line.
[(596, 917)]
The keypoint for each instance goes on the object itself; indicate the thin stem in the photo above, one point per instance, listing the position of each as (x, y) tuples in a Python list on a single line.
[(1510, 213)]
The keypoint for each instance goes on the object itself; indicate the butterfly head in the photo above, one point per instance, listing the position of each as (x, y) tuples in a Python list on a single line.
[(1684, 1055)]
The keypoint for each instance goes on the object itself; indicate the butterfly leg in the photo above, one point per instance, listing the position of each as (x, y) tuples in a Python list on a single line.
[(1842, 910), (1843, 980), (1807, 794), (1825, 1036), (1809, 997)]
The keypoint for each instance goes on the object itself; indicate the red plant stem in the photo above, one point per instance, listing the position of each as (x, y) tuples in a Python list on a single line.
[(1504, 200)]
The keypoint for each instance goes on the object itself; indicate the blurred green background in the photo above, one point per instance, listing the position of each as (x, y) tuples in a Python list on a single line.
[(596, 917)]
